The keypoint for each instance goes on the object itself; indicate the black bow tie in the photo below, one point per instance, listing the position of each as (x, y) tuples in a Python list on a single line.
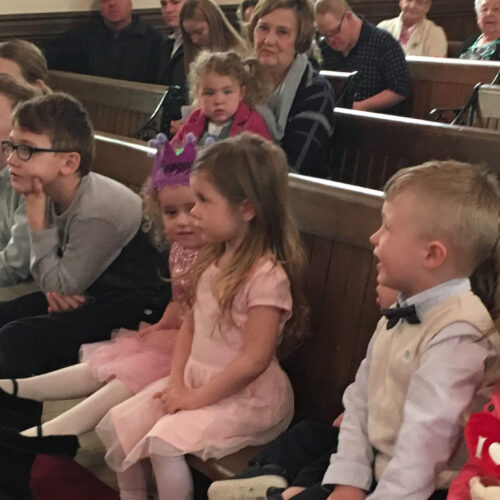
[(394, 314)]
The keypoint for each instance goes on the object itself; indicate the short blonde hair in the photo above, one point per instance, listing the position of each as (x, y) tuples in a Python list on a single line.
[(467, 199), (304, 12), (248, 74)]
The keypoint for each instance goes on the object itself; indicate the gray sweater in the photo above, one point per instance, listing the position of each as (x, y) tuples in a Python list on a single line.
[(14, 238), (79, 244)]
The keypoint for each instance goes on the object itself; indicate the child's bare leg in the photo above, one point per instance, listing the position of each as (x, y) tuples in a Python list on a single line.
[(84, 416), (67, 383), (132, 483)]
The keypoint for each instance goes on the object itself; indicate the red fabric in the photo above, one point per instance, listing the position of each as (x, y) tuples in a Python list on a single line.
[(58, 479), (243, 120), (482, 434)]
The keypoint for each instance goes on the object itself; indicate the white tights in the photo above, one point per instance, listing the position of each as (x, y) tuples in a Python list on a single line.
[(72, 382), (172, 475)]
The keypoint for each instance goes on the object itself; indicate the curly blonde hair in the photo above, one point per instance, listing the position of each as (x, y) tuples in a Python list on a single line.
[(248, 73), (152, 220)]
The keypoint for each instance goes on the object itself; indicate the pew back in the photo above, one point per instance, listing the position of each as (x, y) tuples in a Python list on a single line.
[(115, 106), (367, 148), (445, 83)]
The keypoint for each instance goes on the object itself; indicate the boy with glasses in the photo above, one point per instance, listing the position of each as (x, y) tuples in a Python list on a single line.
[(89, 255)]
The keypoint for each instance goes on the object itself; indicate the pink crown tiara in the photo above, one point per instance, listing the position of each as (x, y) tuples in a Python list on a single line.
[(172, 167)]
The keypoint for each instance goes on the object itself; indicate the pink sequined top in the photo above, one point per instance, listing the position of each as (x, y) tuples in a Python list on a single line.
[(180, 261)]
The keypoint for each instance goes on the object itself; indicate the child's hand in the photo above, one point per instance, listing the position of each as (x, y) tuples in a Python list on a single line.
[(344, 492), (338, 420), (176, 397), (36, 201), (60, 303)]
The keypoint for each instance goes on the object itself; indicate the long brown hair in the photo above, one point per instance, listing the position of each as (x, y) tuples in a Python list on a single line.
[(222, 35), (247, 167)]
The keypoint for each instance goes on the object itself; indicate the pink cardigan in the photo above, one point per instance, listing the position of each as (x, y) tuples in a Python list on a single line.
[(244, 119)]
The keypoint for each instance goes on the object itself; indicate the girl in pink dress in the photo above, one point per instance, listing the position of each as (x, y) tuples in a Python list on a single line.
[(226, 389), (112, 371)]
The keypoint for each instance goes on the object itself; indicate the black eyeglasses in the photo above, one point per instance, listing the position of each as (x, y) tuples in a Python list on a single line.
[(335, 31), (24, 152)]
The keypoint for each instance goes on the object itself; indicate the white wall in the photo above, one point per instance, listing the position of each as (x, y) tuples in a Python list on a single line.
[(38, 6)]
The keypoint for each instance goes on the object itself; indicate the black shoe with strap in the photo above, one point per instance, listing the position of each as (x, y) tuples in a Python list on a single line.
[(63, 446)]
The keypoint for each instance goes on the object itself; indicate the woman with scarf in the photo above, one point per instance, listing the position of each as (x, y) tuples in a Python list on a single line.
[(299, 113)]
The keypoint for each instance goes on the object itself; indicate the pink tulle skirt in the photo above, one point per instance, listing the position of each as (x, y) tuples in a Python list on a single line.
[(136, 361)]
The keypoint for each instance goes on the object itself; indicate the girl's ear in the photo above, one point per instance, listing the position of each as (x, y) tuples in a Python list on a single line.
[(247, 209), (71, 163), (242, 92)]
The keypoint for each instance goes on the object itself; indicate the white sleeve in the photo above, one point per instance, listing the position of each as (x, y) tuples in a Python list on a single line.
[(439, 391)]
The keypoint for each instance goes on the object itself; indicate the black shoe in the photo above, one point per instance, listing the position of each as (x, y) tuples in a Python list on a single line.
[(64, 446)]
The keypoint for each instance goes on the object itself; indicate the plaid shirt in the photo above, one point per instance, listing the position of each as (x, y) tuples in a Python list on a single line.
[(379, 60)]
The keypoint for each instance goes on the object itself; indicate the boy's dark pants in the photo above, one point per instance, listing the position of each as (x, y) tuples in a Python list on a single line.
[(303, 453), (33, 342)]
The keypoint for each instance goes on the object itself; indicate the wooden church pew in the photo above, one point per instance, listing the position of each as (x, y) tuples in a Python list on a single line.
[(445, 83), (367, 148), (115, 106)]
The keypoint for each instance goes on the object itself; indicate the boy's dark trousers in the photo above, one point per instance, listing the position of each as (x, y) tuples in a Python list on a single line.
[(33, 342), (303, 454)]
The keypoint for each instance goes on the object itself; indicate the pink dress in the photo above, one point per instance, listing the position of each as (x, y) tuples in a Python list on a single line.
[(137, 361), (255, 415)]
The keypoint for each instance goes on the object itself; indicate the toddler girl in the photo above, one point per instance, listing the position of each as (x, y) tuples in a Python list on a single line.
[(113, 371), (226, 389), (225, 90)]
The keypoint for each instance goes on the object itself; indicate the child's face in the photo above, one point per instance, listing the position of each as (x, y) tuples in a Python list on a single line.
[(219, 97), (45, 166), (5, 124), (399, 246), (218, 220), (176, 203)]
